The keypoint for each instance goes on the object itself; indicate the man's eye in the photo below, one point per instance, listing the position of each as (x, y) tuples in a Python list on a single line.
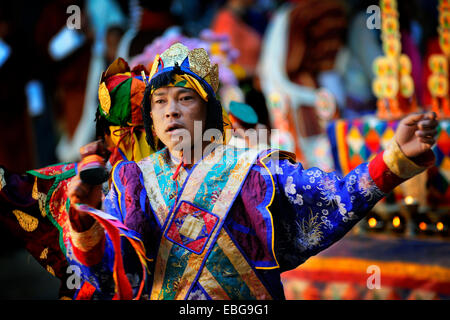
[(159, 101), (186, 98)]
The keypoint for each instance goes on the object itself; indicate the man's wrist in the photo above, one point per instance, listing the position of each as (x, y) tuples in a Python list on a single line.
[(403, 166), (87, 239)]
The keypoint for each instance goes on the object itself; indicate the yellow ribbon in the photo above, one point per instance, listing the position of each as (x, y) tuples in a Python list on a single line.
[(187, 81), (126, 139)]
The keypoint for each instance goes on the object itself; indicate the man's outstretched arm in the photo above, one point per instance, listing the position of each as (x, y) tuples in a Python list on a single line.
[(318, 208)]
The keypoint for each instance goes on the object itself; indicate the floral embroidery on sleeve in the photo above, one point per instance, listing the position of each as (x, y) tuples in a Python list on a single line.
[(319, 207)]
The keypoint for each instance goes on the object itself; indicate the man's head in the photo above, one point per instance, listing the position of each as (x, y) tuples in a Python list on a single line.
[(174, 112), (181, 91)]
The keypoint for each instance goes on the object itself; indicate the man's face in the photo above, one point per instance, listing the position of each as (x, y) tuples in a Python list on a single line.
[(174, 110)]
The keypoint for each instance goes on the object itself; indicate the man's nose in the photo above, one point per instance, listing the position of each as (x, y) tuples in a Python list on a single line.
[(172, 109)]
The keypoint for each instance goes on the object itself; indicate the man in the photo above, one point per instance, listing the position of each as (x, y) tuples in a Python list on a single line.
[(222, 224), (33, 205)]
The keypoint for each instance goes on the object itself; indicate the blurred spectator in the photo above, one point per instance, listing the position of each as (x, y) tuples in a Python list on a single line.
[(355, 63), (230, 20)]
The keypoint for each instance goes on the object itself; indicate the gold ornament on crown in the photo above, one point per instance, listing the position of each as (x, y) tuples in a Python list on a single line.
[(392, 71), (199, 63), (438, 63)]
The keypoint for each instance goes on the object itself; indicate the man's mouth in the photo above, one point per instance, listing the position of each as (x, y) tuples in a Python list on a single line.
[(174, 126)]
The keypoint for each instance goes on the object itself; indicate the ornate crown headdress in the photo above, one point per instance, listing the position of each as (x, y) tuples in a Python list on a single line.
[(194, 63)]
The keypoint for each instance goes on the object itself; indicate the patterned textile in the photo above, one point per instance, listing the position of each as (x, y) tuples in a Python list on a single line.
[(31, 208), (358, 140), (408, 269), (271, 219)]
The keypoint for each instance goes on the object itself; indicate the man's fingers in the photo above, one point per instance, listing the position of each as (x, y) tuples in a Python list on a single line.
[(426, 136), (427, 124), (426, 133), (429, 141), (412, 119), (430, 115)]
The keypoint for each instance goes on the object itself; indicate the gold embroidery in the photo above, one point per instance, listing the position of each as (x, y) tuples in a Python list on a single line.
[(27, 222), (65, 298), (44, 254), (40, 197), (86, 240), (211, 286), (199, 62), (50, 270), (176, 53), (398, 163)]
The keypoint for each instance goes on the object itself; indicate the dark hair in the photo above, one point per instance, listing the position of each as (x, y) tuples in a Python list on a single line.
[(101, 125), (214, 117)]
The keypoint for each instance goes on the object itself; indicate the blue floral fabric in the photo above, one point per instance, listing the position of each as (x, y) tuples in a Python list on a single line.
[(313, 209)]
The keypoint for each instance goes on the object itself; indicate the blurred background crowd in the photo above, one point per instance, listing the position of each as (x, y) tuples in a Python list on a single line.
[(50, 72), (303, 65)]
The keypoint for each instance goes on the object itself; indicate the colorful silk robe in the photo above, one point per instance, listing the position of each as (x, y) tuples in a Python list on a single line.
[(225, 229)]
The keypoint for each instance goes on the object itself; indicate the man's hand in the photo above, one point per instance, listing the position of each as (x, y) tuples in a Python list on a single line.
[(82, 192), (415, 133)]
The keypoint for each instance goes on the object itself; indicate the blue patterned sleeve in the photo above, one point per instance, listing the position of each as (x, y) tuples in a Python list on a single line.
[(313, 209)]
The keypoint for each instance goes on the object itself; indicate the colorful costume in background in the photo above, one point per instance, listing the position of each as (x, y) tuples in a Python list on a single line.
[(296, 71), (33, 205), (227, 227)]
